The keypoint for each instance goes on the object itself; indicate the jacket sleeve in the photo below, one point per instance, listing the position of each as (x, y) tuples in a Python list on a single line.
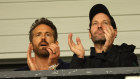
[(76, 62), (127, 56)]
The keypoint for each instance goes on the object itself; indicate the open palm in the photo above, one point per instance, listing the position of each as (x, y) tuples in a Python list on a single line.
[(78, 48)]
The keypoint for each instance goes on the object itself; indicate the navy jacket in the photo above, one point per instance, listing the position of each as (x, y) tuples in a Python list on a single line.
[(62, 65)]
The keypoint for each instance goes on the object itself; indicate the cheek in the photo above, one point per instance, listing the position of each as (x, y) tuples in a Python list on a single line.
[(50, 40), (93, 30), (104, 27), (36, 41)]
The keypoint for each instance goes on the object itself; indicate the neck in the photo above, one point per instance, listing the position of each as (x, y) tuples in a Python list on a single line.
[(42, 63), (98, 48)]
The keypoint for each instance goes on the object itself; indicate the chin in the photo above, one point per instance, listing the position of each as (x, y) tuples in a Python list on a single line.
[(43, 53), (100, 38)]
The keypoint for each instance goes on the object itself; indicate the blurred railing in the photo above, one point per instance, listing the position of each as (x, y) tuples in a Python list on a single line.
[(127, 71)]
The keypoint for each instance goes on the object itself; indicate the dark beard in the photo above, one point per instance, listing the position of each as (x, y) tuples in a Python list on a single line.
[(43, 53), (98, 41), (102, 42)]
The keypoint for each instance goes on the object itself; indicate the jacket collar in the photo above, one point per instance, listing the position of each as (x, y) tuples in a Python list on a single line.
[(104, 55)]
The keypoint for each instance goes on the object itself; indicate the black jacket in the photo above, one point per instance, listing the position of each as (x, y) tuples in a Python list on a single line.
[(116, 56)]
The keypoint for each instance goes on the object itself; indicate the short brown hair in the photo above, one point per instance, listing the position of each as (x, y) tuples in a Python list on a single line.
[(46, 22)]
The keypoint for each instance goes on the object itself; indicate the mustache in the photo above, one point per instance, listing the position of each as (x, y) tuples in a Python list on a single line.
[(100, 29), (44, 41)]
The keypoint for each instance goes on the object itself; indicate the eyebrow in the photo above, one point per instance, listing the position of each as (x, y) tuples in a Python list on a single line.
[(106, 20), (103, 20), (48, 33), (41, 32), (45, 32), (95, 21)]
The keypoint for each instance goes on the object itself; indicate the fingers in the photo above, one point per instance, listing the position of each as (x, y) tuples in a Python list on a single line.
[(110, 36), (54, 49), (70, 41), (111, 28), (29, 53), (30, 60), (109, 32), (54, 52), (106, 35), (78, 41)]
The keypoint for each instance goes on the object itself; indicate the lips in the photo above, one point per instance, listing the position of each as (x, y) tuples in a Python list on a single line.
[(100, 32), (43, 44)]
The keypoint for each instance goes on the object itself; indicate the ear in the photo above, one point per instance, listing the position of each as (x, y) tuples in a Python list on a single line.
[(31, 46), (115, 30), (56, 42), (89, 34)]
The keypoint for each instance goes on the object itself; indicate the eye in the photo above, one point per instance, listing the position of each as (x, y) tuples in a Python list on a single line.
[(38, 34), (94, 23), (105, 22), (48, 34)]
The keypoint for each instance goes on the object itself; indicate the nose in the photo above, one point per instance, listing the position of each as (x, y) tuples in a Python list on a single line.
[(100, 25), (43, 37)]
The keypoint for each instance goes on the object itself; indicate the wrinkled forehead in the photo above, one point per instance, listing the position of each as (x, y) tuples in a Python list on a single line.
[(43, 29), (101, 17)]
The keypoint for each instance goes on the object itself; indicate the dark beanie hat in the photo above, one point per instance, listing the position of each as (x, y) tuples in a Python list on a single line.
[(100, 8)]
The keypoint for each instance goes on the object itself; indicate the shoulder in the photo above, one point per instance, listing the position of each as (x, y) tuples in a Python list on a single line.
[(62, 64), (124, 48), (25, 68), (124, 45), (126, 51)]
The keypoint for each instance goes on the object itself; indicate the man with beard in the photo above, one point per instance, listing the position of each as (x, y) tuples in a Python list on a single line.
[(43, 42), (102, 31)]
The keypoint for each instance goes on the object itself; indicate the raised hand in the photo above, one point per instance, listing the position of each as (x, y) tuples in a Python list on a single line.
[(110, 35), (54, 53), (31, 60), (78, 48)]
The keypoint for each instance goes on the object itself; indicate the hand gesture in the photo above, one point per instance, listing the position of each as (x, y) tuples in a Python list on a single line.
[(110, 35), (31, 60), (78, 48), (54, 53)]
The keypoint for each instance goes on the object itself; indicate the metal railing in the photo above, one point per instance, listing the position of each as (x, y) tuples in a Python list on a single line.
[(70, 72)]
